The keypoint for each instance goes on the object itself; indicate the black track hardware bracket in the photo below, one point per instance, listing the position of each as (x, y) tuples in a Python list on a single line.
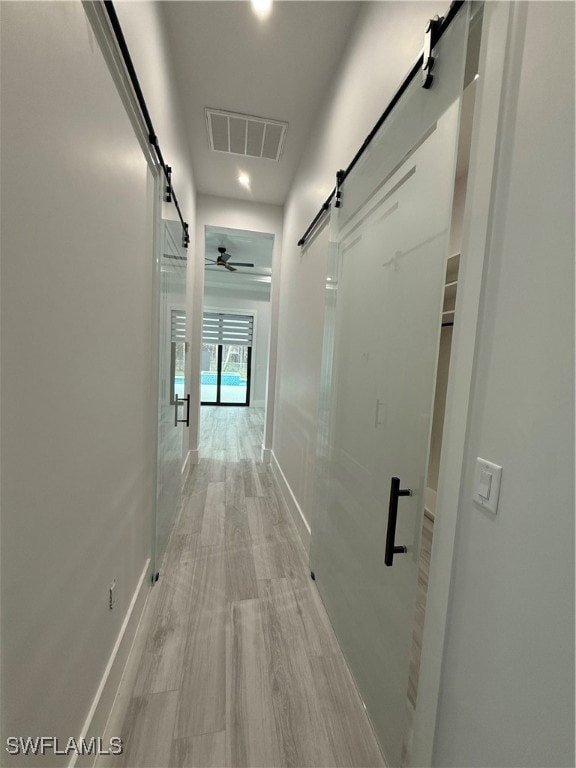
[(168, 190), (339, 179), (424, 64), (169, 195), (430, 37)]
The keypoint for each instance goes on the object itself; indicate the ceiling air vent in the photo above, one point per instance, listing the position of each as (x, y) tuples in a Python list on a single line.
[(245, 135)]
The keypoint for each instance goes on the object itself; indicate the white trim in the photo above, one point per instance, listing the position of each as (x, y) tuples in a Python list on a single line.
[(265, 455), (496, 49), (257, 403), (193, 456), (229, 311), (103, 701), (298, 516)]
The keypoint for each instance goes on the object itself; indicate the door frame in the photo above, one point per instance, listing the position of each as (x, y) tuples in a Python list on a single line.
[(496, 79)]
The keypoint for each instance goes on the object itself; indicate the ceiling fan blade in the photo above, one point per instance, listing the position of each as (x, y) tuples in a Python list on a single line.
[(224, 257), (230, 269), (212, 261), (241, 264)]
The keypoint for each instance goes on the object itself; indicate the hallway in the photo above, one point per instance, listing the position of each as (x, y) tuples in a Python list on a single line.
[(137, 140), (235, 662)]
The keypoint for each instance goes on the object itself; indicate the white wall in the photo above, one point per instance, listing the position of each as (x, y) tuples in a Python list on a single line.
[(256, 302), (507, 693), (235, 214), (383, 46), (78, 401)]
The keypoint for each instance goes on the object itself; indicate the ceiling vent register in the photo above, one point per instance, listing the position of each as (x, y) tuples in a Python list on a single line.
[(245, 135)]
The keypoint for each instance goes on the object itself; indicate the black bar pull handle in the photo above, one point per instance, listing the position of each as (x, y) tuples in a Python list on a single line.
[(391, 548), (187, 398), (177, 401)]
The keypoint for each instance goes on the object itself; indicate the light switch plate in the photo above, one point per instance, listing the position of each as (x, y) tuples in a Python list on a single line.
[(487, 485)]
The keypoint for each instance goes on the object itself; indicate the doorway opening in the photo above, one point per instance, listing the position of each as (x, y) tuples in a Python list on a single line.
[(235, 326)]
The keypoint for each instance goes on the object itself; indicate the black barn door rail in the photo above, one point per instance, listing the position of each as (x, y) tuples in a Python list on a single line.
[(434, 32), (169, 195)]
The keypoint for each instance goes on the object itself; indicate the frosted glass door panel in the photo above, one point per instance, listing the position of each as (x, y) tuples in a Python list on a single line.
[(386, 267), (171, 363)]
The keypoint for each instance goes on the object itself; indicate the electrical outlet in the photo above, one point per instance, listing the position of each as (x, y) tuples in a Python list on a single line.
[(112, 595)]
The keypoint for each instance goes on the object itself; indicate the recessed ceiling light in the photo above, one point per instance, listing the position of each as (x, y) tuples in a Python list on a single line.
[(244, 179), (261, 8)]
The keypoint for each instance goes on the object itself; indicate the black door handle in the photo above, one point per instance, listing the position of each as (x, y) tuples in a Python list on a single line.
[(177, 402), (391, 548)]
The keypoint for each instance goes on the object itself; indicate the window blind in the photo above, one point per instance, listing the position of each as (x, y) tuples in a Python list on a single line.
[(178, 325), (219, 328)]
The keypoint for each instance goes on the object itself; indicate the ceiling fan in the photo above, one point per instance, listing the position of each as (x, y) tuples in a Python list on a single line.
[(222, 261)]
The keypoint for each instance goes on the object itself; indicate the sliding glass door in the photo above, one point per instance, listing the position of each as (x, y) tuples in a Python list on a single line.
[(226, 359), (387, 256), (173, 404)]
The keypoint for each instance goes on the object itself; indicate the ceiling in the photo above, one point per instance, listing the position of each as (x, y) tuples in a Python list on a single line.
[(226, 58), (245, 246)]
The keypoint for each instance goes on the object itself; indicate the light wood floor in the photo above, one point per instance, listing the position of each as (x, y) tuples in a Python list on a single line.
[(420, 609), (417, 634), (235, 662)]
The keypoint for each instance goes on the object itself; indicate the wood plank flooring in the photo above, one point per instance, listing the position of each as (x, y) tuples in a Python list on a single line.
[(417, 634), (420, 609), (235, 662)]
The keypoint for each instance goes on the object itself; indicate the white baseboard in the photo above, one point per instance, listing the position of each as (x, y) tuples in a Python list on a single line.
[(265, 455), (300, 521), (193, 456), (258, 403), (95, 723)]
